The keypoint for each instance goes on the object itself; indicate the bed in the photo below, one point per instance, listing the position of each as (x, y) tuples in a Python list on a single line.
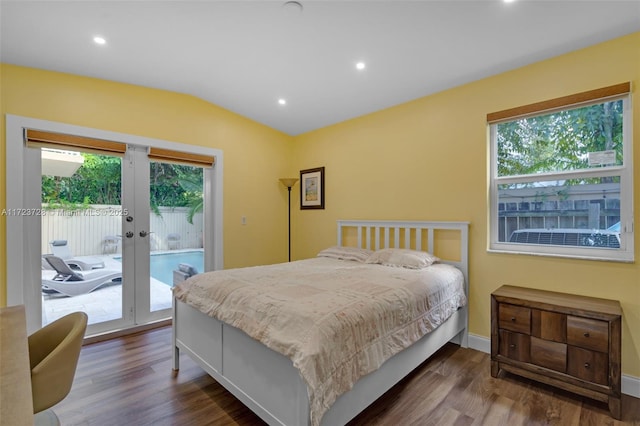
[(280, 388)]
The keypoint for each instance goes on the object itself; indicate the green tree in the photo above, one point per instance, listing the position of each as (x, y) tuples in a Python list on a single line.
[(98, 181), (559, 141), (176, 185)]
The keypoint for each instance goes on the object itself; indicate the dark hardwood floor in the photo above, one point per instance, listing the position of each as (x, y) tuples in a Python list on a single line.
[(128, 381)]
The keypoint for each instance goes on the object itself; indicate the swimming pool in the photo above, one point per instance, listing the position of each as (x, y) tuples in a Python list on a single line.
[(163, 264)]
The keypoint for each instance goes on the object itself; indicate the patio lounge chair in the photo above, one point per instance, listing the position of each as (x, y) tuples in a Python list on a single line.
[(74, 283), (60, 248)]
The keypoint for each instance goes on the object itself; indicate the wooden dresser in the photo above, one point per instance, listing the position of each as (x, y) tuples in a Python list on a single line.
[(568, 341)]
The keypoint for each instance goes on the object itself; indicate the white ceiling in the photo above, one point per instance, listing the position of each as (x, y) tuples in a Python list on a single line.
[(245, 55)]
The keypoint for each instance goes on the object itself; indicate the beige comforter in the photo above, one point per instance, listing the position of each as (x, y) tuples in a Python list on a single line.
[(337, 320)]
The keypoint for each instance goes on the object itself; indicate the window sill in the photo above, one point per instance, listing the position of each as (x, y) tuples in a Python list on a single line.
[(620, 257)]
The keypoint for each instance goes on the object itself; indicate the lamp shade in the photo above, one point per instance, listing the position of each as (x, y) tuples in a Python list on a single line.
[(288, 182)]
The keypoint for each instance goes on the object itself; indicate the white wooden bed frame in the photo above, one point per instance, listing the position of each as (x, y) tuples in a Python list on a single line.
[(266, 381)]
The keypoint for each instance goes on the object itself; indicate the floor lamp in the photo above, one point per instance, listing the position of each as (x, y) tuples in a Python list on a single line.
[(289, 182)]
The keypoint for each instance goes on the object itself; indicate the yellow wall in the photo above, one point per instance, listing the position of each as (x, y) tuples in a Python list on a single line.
[(427, 160), (423, 160), (255, 156)]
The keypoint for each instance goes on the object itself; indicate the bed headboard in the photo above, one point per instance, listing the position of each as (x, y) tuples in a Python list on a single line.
[(377, 234)]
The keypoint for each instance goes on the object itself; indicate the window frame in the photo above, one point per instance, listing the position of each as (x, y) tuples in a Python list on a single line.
[(625, 171)]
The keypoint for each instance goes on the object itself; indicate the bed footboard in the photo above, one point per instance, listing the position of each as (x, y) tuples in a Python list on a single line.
[(266, 381)]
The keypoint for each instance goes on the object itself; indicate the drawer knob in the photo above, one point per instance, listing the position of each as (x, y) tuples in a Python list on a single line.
[(587, 365), (513, 319), (586, 334), (512, 346)]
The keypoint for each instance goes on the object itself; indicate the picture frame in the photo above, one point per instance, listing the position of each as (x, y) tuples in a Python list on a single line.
[(312, 188)]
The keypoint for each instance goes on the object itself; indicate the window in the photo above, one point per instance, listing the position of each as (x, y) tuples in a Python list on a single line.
[(561, 177)]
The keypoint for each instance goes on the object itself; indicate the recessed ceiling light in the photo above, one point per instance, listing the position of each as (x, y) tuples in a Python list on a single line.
[(282, 101), (99, 40), (292, 7), (361, 65)]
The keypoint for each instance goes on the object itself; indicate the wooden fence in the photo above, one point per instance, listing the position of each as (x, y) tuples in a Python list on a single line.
[(86, 229)]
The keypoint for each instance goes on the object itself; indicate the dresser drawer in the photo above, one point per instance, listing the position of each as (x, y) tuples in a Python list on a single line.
[(549, 325), (515, 346), (514, 318), (588, 365), (588, 333), (549, 354)]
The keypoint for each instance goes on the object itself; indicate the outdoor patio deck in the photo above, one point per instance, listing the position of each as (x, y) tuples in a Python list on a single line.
[(104, 303)]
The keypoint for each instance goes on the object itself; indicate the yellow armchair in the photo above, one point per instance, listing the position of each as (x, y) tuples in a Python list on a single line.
[(53, 354)]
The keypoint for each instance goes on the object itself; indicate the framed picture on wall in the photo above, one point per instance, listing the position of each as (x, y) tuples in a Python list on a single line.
[(312, 188)]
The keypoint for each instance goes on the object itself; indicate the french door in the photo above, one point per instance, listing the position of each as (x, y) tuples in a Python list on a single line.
[(85, 237), (137, 296)]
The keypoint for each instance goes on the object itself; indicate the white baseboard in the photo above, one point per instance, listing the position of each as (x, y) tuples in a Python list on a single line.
[(480, 343), (630, 384)]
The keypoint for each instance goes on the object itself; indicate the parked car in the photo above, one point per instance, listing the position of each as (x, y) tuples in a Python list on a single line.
[(609, 238)]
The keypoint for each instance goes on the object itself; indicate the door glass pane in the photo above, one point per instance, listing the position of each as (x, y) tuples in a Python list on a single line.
[(176, 224), (81, 229)]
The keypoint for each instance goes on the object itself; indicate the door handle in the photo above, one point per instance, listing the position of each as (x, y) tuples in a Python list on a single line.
[(145, 233)]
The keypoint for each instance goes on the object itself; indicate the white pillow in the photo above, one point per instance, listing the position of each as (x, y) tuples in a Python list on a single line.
[(402, 258), (346, 253)]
